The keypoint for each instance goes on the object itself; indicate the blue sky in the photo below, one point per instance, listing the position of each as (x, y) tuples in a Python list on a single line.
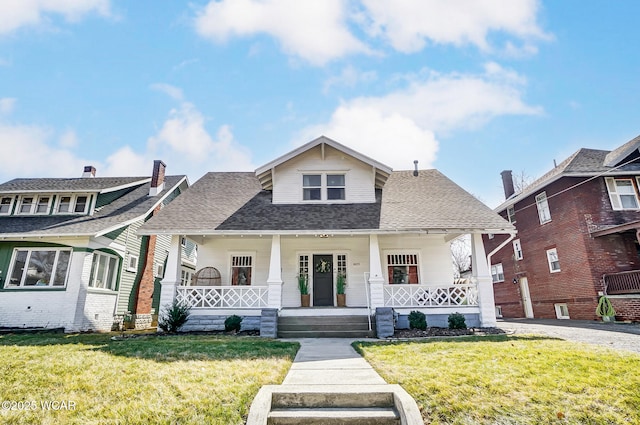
[(470, 87)]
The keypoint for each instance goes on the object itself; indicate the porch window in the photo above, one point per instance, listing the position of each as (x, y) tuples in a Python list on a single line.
[(241, 270), (39, 268), (517, 250), (6, 202), (543, 208), (104, 271), (622, 194), (341, 264), (185, 277), (312, 187), (497, 273), (403, 268), (552, 258), (303, 265)]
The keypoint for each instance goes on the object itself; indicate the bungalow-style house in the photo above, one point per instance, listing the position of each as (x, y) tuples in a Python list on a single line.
[(578, 238), (69, 253), (325, 212)]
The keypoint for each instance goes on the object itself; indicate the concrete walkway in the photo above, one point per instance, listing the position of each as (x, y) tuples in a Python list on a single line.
[(330, 361), (619, 336)]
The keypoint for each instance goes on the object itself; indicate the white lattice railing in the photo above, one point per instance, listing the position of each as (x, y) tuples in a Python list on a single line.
[(430, 296), (223, 296)]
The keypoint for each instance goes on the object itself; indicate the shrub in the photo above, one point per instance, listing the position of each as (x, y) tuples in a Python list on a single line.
[(457, 321), (417, 320), (233, 323), (174, 317)]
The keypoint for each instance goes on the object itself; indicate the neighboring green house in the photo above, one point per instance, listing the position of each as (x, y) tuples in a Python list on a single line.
[(70, 256)]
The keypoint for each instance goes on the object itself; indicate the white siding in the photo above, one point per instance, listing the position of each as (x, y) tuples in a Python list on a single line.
[(216, 252), (359, 177)]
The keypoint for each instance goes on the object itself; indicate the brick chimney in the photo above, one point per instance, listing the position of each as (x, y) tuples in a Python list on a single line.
[(507, 183), (89, 171), (157, 178)]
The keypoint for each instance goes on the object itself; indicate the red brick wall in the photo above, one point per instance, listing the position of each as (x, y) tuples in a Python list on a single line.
[(627, 308), (144, 297), (583, 259)]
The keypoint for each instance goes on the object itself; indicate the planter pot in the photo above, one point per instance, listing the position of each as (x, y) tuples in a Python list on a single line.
[(341, 300), (608, 318), (305, 300)]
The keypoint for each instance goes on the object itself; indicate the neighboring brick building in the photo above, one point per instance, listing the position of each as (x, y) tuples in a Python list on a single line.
[(578, 232)]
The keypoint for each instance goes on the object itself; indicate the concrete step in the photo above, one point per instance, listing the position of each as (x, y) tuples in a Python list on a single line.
[(330, 416), (337, 320), (324, 327), (310, 399), (327, 334)]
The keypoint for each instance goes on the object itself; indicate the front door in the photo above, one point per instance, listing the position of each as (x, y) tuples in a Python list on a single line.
[(322, 280), (526, 298)]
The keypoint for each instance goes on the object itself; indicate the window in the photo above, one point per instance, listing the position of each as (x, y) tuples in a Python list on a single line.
[(335, 187), (43, 205), (497, 273), (183, 242), (622, 194), (511, 214), (104, 271), (26, 205), (44, 267), (312, 187), (517, 250), (543, 208), (132, 266), (241, 269), (341, 264), (562, 311), (6, 202), (303, 265), (403, 268), (185, 277), (69, 204), (498, 311), (160, 270), (552, 258)]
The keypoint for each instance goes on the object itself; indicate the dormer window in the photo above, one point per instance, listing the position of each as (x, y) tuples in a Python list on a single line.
[(72, 204), (26, 205), (43, 205), (6, 202), (323, 187)]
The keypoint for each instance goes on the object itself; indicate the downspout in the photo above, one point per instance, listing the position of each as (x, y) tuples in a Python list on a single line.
[(499, 247)]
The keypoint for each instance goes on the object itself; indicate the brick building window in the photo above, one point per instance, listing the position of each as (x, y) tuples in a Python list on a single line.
[(552, 259), (622, 194), (543, 208), (511, 214), (497, 273), (517, 249)]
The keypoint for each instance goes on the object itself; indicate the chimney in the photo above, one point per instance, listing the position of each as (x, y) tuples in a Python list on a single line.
[(415, 168), (157, 178), (89, 171), (507, 183)]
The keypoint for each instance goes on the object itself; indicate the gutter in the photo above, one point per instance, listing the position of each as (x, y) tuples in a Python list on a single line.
[(499, 247)]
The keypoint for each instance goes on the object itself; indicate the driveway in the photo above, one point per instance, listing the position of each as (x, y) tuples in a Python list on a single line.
[(620, 336)]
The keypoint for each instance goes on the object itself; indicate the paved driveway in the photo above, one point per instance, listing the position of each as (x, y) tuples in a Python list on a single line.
[(620, 336)]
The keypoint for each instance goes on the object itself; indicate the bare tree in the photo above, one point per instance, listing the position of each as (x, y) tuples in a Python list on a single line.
[(461, 255), (521, 180)]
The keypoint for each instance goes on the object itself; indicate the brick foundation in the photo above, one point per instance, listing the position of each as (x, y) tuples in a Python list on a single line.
[(626, 308)]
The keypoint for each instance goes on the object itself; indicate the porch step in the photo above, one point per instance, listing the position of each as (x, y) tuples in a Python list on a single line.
[(329, 416), (325, 327)]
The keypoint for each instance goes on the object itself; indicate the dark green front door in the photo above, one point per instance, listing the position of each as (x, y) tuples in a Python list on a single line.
[(322, 280)]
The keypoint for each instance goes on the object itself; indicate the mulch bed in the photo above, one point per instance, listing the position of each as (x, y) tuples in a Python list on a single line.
[(417, 333)]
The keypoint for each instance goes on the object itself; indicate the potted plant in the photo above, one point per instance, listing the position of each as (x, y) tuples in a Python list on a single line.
[(605, 309), (303, 286), (341, 284)]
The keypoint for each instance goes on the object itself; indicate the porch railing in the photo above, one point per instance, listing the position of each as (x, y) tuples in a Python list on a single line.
[(223, 296), (622, 283), (430, 296)]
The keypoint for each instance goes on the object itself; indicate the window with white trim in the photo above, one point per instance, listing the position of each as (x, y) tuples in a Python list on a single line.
[(312, 187), (27, 204), (241, 269), (323, 187), (160, 270), (72, 204), (43, 204), (335, 187), (303, 265), (6, 203), (552, 259), (341, 263), (497, 273), (498, 311), (511, 214), (39, 267), (562, 311), (104, 271), (622, 194), (403, 268), (517, 249), (132, 264), (186, 276), (543, 208)]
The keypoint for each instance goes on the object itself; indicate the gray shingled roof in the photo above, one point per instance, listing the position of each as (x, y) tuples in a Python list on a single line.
[(84, 184), (131, 206), (221, 202), (617, 155)]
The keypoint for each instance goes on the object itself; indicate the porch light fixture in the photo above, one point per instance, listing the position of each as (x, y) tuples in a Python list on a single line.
[(515, 281), (324, 235)]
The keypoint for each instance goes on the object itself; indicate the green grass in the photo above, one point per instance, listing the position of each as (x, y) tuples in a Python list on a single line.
[(159, 380), (512, 380)]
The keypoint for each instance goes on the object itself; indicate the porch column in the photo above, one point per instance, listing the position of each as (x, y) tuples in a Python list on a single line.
[(376, 278), (172, 276), (274, 281), (482, 275)]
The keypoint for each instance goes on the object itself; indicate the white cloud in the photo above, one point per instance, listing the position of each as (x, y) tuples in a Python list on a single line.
[(19, 13), (7, 104), (173, 92), (69, 139), (401, 126), (409, 24), (350, 77), (314, 30)]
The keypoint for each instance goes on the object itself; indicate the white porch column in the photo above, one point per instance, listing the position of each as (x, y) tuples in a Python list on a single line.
[(274, 281), (376, 278), (482, 275), (172, 276)]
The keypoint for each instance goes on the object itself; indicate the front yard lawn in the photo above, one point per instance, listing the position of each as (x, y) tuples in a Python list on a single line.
[(512, 380), (161, 380)]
